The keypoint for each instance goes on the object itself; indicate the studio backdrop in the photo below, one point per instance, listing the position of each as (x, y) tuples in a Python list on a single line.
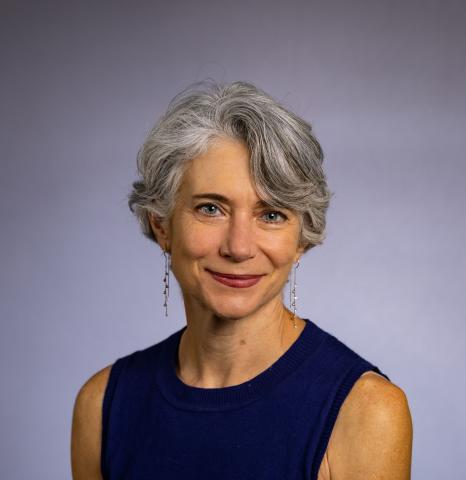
[(382, 83)]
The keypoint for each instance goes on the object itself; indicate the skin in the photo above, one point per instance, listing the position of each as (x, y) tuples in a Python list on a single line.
[(234, 334)]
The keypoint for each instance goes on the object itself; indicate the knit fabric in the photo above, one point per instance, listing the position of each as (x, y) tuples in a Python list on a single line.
[(275, 426)]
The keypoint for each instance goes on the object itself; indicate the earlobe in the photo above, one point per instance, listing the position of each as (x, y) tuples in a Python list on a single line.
[(152, 223), (299, 255), (158, 229)]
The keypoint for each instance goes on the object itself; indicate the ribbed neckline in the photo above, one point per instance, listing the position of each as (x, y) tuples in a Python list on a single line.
[(226, 398)]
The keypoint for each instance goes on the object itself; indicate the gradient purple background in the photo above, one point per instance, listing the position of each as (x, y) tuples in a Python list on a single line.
[(383, 83)]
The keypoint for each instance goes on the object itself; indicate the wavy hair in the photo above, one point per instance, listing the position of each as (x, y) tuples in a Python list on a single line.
[(285, 157)]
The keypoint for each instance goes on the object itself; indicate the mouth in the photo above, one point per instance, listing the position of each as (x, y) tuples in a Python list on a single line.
[(236, 281)]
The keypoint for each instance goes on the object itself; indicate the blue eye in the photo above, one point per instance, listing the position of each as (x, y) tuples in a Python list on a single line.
[(204, 205), (275, 213)]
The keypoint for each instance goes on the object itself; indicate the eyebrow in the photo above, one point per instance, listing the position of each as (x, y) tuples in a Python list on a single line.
[(222, 198)]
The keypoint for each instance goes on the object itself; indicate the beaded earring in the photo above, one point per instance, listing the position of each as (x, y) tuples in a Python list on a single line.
[(293, 296), (166, 280)]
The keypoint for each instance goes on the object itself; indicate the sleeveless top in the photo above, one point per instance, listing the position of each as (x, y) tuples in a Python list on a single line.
[(275, 426)]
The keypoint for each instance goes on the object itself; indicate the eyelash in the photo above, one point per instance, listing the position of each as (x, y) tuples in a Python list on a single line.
[(199, 207)]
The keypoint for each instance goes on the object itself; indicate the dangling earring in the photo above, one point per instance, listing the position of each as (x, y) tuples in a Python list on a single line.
[(293, 296), (166, 281)]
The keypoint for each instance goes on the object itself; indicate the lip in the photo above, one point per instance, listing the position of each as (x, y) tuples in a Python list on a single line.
[(236, 281)]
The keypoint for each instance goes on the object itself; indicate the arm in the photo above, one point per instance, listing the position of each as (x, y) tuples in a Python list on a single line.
[(86, 435), (372, 438)]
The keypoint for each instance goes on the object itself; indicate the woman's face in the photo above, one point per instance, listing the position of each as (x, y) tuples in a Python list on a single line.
[(219, 225)]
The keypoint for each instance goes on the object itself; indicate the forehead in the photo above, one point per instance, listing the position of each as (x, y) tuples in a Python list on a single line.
[(224, 167)]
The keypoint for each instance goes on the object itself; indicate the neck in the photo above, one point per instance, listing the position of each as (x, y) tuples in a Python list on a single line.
[(217, 353)]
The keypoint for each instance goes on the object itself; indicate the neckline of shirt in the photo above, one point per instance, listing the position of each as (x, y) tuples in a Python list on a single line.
[(226, 398)]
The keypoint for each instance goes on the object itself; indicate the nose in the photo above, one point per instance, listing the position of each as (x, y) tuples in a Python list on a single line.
[(239, 242)]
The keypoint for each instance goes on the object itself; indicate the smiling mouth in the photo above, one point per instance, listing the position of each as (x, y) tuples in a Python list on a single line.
[(235, 281), (230, 275)]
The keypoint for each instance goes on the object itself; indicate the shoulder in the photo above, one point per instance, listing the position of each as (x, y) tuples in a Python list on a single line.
[(372, 437), (87, 427), (90, 395)]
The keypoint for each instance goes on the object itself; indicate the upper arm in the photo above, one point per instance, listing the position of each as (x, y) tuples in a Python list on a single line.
[(372, 437), (86, 432)]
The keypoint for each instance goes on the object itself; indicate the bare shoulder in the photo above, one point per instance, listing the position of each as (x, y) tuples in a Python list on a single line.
[(86, 434), (372, 436)]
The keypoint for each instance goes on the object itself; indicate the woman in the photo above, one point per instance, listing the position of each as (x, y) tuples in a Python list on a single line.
[(232, 189)]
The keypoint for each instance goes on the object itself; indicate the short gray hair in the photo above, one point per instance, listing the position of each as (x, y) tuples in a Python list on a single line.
[(285, 157)]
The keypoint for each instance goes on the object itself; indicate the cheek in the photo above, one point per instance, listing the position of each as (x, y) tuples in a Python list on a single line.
[(190, 244), (282, 249), (198, 241)]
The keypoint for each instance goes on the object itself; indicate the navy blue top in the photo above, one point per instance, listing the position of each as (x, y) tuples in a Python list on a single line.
[(275, 426)]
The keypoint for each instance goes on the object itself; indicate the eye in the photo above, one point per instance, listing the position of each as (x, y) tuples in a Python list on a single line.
[(274, 213), (204, 207)]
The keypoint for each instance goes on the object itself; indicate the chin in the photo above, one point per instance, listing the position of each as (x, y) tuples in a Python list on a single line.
[(234, 310)]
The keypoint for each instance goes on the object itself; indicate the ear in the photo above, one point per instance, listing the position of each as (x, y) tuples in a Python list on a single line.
[(299, 253), (160, 230)]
